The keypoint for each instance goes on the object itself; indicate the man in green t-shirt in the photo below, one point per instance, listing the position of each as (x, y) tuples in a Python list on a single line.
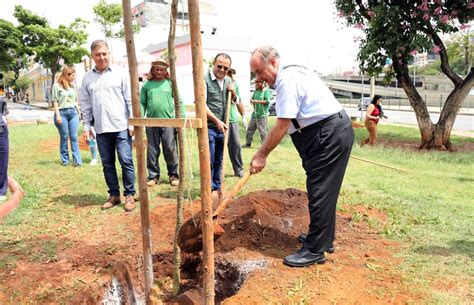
[(156, 100), (261, 102), (235, 151)]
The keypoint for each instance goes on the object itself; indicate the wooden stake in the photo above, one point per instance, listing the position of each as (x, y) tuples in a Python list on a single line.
[(140, 151), (379, 164), (226, 138), (204, 159)]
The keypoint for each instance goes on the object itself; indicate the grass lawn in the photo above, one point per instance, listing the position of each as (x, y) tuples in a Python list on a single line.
[(430, 207)]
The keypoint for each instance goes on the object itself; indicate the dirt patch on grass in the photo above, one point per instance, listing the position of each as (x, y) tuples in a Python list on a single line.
[(53, 145), (260, 229)]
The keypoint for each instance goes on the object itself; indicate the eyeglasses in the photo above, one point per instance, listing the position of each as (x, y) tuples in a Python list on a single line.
[(221, 67)]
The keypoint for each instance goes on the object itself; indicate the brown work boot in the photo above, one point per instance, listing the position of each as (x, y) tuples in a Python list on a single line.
[(111, 202), (174, 181), (129, 203), (152, 182)]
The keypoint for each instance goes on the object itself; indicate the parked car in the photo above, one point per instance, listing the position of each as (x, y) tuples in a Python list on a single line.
[(272, 109), (364, 103)]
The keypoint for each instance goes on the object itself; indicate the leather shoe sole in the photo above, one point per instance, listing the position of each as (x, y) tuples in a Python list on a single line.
[(302, 239), (304, 258)]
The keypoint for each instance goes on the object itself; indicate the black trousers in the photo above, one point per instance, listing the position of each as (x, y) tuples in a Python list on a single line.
[(324, 148)]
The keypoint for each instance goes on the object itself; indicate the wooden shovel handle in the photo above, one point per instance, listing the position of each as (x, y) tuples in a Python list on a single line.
[(228, 198)]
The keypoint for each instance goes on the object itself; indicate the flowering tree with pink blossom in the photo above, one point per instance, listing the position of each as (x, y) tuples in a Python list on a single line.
[(398, 29)]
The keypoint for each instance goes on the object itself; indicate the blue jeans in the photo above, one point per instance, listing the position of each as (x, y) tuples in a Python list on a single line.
[(216, 151), (108, 143), (3, 159), (69, 128)]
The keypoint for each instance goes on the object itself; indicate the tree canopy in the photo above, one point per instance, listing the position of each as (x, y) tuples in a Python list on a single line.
[(11, 47), (110, 16), (50, 46)]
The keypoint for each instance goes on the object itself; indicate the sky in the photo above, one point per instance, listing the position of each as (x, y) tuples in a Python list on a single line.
[(306, 31)]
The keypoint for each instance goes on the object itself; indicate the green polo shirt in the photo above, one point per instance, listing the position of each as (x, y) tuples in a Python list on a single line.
[(234, 113), (261, 110), (156, 100), (216, 98)]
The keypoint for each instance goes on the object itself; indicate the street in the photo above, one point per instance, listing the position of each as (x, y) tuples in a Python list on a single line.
[(463, 122), (18, 113)]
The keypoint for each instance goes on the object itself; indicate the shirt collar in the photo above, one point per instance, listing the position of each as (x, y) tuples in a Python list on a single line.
[(109, 68)]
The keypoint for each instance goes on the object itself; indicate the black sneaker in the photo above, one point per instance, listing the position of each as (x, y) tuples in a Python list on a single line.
[(246, 146)]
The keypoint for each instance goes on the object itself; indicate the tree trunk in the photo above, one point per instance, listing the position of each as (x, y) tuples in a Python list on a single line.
[(181, 149), (434, 136)]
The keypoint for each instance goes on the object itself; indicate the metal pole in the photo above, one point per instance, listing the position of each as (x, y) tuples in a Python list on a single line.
[(362, 99), (414, 71), (143, 190), (204, 158)]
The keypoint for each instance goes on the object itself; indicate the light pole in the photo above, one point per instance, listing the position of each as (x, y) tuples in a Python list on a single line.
[(414, 69), (362, 98)]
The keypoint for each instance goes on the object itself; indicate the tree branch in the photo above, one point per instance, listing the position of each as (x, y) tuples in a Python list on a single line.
[(445, 67)]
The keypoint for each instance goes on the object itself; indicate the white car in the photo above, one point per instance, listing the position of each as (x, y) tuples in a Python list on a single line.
[(364, 103)]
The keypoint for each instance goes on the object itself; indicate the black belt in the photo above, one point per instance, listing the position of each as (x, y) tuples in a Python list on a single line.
[(319, 123)]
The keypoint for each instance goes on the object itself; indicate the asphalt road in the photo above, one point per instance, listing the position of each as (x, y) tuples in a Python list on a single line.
[(463, 122)]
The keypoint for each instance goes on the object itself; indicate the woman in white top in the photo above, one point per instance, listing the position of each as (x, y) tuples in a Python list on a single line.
[(66, 115)]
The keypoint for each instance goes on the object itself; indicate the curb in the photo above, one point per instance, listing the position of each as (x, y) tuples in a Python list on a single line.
[(15, 199)]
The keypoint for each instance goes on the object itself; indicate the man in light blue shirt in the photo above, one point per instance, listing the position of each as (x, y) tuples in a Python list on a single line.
[(106, 104), (321, 132)]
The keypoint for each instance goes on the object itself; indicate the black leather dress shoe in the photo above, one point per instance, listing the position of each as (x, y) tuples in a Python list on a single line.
[(302, 238), (304, 258)]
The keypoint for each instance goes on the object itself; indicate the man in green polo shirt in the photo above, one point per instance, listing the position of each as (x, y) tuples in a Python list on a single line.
[(217, 87), (235, 151), (261, 102), (156, 99)]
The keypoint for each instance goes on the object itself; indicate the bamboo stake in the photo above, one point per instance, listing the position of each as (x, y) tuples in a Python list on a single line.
[(143, 191), (379, 164), (181, 150), (226, 138), (204, 159)]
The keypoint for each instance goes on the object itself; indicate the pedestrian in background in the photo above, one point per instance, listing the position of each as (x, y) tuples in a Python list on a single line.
[(66, 115), (156, 100), (106, 104), (372, 117), (4, 149), (323, 136), (27, 102), (258, 120), (233, 144)]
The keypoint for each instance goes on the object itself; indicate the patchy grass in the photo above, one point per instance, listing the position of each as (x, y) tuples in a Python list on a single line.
[(430, 208)]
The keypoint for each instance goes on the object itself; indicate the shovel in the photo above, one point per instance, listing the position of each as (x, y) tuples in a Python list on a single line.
[(190, 233)]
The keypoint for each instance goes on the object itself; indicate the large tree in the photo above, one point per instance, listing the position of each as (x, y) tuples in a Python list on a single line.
[(398, 29), (11, 49), (110, 18), (51, 46)]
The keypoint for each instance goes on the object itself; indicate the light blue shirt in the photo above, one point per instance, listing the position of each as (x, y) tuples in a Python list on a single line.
[(303, 96), (105, 99)]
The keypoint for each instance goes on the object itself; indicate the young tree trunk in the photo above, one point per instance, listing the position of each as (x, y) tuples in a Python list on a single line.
[(181, 149)]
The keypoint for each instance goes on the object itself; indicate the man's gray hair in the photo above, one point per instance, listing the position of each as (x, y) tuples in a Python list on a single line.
[(98, 43), (265, 52)]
